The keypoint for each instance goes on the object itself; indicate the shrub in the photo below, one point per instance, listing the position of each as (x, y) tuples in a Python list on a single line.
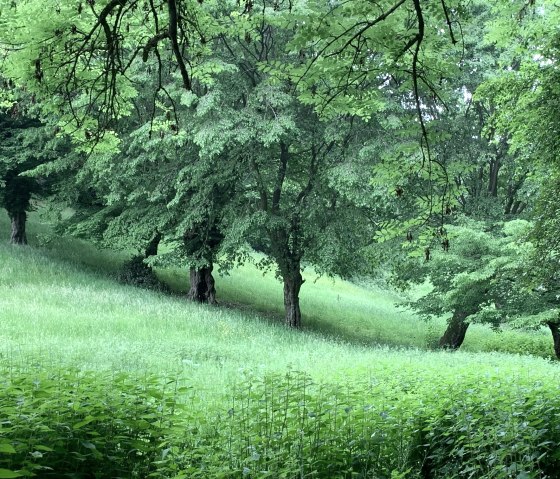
[(90, 425), (484, 433), (81, 425), (287, 426), (136, 272)]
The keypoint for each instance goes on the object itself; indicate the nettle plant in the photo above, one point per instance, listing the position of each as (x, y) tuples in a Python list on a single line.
[(72, 423)]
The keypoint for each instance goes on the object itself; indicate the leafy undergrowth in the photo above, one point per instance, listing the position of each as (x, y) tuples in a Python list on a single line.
[(84, 425)]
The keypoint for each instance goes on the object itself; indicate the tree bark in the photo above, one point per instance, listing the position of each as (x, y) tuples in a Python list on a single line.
[(456, 330), (18, 235), (495, 166), (202, 288), (555, 330), (518, 207), (292, 286)]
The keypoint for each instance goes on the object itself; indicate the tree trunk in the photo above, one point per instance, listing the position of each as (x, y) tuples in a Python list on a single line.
[(19, 219), (456, 330), (202, 288), (495, 166), (555, 330), (292, 285)]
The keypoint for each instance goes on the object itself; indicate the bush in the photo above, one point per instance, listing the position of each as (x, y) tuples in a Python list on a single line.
[(480, 434), (287, 426), (89, 425), (81, 425), (136, 272), (534, 344)]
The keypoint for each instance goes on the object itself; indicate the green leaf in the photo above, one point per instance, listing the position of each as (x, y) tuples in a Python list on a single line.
[(7, 449), (81, 424), (44, 448), (7, 474)]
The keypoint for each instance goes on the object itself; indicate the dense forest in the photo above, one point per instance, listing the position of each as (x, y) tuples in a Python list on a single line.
[(407, 143)]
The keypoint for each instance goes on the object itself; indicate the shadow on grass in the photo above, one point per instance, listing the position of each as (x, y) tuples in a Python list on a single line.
[(274, 315), (334, 326)]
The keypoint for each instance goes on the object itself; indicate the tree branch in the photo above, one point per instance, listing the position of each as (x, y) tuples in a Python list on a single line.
[(173, 33)]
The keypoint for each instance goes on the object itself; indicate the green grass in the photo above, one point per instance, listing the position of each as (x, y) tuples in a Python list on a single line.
[(368, 316), (57, 309), (365, 372)]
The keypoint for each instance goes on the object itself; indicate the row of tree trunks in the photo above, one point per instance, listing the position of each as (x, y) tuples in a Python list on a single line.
[(457, 329), (202, 290)]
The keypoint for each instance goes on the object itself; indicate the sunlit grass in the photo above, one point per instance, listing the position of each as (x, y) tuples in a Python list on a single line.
[(53, 310)]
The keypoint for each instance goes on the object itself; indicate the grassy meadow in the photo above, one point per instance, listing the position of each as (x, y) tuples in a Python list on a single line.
[(229, 392)]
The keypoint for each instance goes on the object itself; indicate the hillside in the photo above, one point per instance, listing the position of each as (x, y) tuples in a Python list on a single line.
[(333, 309), (65, 321)]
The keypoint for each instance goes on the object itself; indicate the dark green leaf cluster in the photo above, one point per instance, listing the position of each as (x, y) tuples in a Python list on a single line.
[(481, 275), (71, 423)]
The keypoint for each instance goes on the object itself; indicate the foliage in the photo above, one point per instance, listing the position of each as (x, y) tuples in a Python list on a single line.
[(488, 432), (280, 425), (476, 272), (80, 424), (136, 272), (244, 408), (80, 58), (525, 92), (24, 144)]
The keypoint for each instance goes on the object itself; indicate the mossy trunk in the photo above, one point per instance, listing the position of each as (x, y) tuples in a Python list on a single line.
[(456, 330), (18, 220), (292, 286), (555, 330), (202, 288)]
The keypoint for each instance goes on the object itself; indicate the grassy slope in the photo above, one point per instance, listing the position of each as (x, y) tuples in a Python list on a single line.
[(55, 313), (55, 310)]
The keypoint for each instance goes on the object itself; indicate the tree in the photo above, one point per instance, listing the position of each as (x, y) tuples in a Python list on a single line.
[(525, 91), (487, 182), (152, 190), (25, 143), (253, 117), (542, 265), (254, 164), (477, 279), (288, 196), (81, 57)]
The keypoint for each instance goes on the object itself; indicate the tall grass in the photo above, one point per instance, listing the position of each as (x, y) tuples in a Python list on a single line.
[(356, 394), (69, 277)]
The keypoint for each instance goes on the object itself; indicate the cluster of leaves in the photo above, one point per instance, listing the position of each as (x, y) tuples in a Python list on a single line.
[(135, 271), (69, 422), (290, 426), (281, 425), (496, 433), (479, 274)]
